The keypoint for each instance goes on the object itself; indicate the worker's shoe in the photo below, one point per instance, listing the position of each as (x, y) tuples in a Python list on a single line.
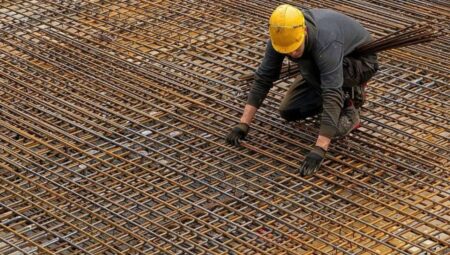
[(349, 119)]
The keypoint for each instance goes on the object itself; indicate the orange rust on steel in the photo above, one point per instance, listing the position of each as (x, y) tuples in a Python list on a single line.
[(74, 148)]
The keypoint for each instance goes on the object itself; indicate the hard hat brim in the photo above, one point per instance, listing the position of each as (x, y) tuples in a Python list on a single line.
[(284, 49)]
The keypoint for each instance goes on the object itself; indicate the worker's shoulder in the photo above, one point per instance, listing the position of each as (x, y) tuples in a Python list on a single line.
[(331, 19), (329, 24), (327, 21), (325, 14), (327, 29)]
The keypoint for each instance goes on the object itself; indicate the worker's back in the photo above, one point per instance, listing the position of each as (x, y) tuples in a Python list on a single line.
[(334, 26)]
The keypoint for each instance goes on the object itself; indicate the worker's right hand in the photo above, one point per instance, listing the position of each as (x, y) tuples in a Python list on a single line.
[(313, 161), (239, 132)]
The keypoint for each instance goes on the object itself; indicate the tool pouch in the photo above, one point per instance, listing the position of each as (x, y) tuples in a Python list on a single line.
[(357, 72)]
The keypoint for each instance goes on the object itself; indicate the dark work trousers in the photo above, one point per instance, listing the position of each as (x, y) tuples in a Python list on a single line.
[(305, 100)]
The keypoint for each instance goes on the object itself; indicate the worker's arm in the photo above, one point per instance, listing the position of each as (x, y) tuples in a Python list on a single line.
[(249, 114), (333, 101), (332, 105), (329, 63), (240, 131), (265, 75), (323, 142)]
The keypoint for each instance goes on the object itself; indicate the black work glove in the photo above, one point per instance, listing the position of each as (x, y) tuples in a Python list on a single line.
[(240, 131), (312, 161)]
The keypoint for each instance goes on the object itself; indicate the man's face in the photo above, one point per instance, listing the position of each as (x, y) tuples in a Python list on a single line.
[(298, 52)]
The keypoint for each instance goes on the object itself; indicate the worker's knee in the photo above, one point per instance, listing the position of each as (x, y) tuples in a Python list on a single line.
[(294, 114), (289, 115)]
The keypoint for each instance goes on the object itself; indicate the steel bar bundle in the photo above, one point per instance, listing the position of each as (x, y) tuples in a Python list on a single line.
[(415, 34)]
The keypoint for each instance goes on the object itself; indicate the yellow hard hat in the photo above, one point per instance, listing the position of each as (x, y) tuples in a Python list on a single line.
[(287, 28)]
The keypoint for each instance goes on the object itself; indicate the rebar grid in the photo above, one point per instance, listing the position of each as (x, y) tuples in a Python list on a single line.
[(113, 115)]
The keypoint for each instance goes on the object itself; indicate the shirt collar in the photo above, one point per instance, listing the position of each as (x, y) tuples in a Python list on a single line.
[(311, 29)]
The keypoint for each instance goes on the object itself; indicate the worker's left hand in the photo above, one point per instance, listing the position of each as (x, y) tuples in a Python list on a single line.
[(312, 161), (237, 133)]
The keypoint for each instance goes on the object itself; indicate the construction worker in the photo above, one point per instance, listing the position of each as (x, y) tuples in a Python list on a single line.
[(332, 81)]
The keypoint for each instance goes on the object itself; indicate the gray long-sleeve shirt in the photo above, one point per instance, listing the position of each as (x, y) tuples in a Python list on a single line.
[(330, 36)]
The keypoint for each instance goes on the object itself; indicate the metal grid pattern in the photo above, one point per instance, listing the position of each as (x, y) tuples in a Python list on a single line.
[(112, 121)]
